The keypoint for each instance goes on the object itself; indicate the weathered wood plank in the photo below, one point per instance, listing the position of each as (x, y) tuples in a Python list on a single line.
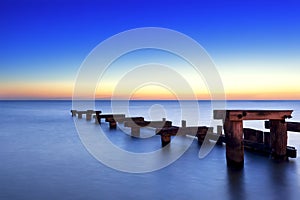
[(116, 116), (192, 130), (253, 135), (135, 119), (153, 124), (86, 112), (291, 126), (239, 115)]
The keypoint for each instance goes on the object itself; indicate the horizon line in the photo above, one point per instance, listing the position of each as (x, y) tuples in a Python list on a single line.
[(60, 99)]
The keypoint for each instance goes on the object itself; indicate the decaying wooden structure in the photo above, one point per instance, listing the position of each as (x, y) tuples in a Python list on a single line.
[(234, 132), (236, 137)]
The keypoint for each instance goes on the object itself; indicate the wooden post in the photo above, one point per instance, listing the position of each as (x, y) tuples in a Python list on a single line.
[(112, 124), (278, 134), (80, 115), (135, 131), (219, 133), (165, 139), (96, 119), (234, 143), (183, 123), (73, 113), (201, 133), (267, 140), (89, 115)]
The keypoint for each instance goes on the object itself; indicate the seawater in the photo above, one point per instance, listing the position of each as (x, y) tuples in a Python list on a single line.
[(42, 157)]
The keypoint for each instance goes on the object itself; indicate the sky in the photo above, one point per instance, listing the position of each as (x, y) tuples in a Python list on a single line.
[(255, 45)]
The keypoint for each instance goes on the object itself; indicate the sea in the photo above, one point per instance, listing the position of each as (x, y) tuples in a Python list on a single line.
[(42, 156)]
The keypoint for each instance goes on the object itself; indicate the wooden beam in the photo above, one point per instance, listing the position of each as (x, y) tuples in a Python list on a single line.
[(291, 126), (253, 135), (153, 124), (135, 119), (239, 115)]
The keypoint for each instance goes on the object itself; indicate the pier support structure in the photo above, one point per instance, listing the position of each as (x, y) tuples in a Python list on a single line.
[(234, 143), (233, 128), (278, 133)]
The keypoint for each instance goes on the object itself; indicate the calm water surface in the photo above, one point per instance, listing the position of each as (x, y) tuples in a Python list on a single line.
[(42, 157)]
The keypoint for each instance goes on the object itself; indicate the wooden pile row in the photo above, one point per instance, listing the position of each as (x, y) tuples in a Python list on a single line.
[(254, 140)]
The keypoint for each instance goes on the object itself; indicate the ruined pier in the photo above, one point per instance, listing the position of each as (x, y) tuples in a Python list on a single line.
[(236, 137)]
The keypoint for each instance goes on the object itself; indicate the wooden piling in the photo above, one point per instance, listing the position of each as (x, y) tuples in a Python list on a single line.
[(233, 127), (291, 126), (89, 115), (96, 119), (165, 139), (219, 133), (73, 113), (183, 123), (234, 143), (201, 133), (112, 123), (135, 131), (267, 139), (278, 134)]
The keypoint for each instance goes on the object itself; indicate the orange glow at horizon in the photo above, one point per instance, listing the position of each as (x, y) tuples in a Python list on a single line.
[(64, 90), (46, 90)]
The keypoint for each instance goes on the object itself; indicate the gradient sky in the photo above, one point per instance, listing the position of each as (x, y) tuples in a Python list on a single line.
[(254, 44)]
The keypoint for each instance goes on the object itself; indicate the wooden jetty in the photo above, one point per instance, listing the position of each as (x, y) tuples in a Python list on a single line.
[(137, 125), (236, 137), (88, 114), (259, 141), (111, 118), (199, 131), (233, 128)]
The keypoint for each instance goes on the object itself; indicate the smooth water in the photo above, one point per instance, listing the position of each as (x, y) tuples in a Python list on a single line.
[(42, 157)]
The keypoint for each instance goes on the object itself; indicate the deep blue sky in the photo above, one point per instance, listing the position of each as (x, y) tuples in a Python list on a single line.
[(46, 41)]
